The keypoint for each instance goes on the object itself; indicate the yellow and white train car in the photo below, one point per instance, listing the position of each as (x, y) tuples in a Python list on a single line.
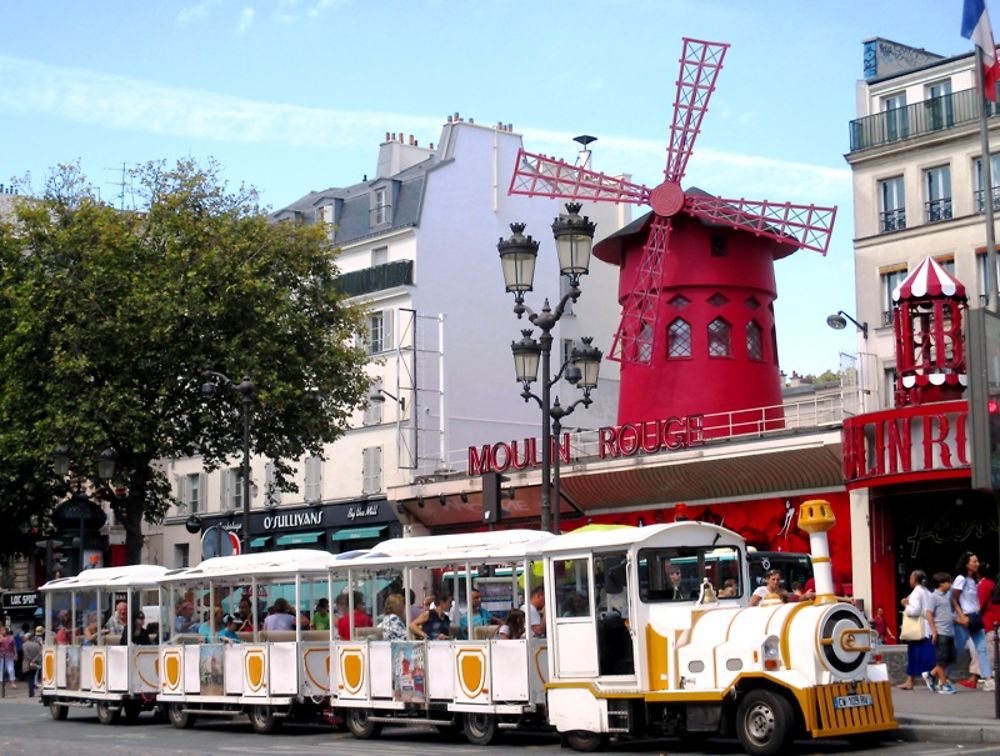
[(87, 659), (472, 680), (653, 634), (269, 672)]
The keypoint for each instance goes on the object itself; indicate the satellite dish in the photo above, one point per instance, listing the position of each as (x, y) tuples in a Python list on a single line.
[(212, 539)]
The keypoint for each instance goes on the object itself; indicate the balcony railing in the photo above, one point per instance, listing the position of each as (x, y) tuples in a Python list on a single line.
[(938, 210), (376, 278), (980, 200), (915, 120), (893, 220)]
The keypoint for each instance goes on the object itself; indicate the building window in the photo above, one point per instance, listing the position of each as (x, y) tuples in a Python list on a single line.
[(679, 339), (755, 341), (182, 556), (314, 480), (679, 301), (981, 269), (890, 278), (892, 199), (380, 256), (380, 331), (889, 387), (644, 344), (719, 339), (371, 464), (938, 105), (272, 494), (948, 263), (994, 180), (373, 410), (191, 493), (718, 248), (231, 491), (718, 300), (381, 210), (896, 116), (937, 192)]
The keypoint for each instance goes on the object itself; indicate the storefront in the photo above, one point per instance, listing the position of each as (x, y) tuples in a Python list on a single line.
[(334, 527), (18, 608)]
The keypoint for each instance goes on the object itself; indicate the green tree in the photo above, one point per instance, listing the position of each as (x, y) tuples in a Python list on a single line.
[(108, 319)]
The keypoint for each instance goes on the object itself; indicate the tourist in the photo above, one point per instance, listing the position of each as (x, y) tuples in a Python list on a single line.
[(919, 652)]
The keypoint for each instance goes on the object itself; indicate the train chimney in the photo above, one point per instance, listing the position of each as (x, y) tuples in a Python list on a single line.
[(816, 518)]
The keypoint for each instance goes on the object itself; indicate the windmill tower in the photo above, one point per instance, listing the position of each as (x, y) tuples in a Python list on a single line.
[(696, 281)]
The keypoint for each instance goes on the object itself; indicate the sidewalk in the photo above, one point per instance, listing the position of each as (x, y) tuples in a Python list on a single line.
[(966, 717), (20, 695)]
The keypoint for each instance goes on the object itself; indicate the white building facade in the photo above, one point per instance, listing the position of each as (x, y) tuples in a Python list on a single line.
[(417, 247)]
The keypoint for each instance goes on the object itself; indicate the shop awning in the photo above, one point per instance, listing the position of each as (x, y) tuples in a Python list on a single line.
[(259, 542), (357, 534), (297, 539)]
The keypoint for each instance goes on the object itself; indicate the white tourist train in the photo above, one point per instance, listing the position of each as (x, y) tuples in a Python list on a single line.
[(627, 632)]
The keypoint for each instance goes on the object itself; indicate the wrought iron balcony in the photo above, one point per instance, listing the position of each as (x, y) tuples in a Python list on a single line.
[(938, 210), (893, 220), (980, 200), (376, 278), (915, 120)]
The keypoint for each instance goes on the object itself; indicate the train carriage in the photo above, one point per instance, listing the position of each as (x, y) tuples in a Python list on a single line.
[(89, 658), (269, 675)]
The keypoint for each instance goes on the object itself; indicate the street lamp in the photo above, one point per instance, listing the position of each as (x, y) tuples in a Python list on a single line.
[(574, 237), (246, 390), (838, 322), (80, 505)]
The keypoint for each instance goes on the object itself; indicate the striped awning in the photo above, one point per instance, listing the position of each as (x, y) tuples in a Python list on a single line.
[(929, 279)]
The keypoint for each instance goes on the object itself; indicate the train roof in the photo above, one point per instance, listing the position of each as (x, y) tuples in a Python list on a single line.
[(135, 575), (687, 533), (259, 564), (458, 548)]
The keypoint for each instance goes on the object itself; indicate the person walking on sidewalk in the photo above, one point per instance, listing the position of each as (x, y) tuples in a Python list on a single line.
[(919, 653), (942, 635), (984, 589), (8, 655), (31, 665), (968, 616)]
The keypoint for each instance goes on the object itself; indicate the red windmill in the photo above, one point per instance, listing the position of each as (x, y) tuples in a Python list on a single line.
[(697, 273)]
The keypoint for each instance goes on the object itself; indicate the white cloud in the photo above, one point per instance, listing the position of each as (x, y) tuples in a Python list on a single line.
[(196, 12), (246, 18), (120, 102)]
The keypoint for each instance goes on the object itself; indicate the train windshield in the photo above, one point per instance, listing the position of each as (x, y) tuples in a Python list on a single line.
[(677, 573)]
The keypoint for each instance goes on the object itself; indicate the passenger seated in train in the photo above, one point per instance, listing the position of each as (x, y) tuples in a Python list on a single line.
[(393, 627), (245, 616), (771, 592), (228, 634), (729, 588), (140, 636), (534, 611), (480, 616), (513, 626), (184, 621), (321, 615), (280, 616), (434, 623), (90, 631), (361, 618), (206, 630), (118, 620)]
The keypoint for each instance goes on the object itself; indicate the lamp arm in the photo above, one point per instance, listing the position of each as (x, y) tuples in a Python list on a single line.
[(526, 393), (863, 327), (226, 380), (572, 294), (559, 412)]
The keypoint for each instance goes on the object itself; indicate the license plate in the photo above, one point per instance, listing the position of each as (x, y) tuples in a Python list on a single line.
[(852, 702)]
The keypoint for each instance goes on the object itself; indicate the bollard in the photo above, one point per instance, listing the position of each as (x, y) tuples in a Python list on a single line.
[(996, 669)]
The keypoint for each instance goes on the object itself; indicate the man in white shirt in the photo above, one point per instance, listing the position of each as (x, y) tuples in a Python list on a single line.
[(534, 612)]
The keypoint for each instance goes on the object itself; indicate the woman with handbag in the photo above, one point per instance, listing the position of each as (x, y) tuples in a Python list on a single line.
[(916, 629), (968, 617)]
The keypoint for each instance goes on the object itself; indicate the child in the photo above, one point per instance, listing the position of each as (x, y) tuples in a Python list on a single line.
[(228, 632), (942, 635), (881, 630)]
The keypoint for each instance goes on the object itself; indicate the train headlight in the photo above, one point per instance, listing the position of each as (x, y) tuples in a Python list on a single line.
[(770, 653)]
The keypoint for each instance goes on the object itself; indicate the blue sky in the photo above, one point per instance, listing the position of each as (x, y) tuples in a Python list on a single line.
[(295, 95)]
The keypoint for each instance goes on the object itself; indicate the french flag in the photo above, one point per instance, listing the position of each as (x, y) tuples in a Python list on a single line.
[(976, 26)]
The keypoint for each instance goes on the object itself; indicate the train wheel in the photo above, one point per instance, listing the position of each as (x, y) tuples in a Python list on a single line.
[(585, 741), (764, 723), (360, 724), (480, 729), (178, 717), (59, 713), (108, 713), (263, 720)]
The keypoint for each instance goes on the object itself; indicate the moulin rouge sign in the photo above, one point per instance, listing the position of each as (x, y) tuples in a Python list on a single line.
[(907, 444), (626, 440)]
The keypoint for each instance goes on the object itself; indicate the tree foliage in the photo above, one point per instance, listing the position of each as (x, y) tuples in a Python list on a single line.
[(108, 319)]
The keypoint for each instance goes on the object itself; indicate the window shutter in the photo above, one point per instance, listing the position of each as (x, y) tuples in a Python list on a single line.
[(199, 504), (182, 493), (388, 343), (225, 484)]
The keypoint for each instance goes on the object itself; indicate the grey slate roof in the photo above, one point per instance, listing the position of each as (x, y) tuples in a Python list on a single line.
[(354, 221)]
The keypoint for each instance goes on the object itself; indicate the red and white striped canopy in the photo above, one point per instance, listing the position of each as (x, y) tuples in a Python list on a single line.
[(929, 279)]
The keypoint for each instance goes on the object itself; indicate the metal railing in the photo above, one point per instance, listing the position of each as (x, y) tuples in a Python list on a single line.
[(981, 200), (893, 220), (915, 120), (938, 209), (376, 278)]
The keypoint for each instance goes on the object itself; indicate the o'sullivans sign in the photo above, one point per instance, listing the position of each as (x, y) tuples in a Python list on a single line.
[(627, 440)]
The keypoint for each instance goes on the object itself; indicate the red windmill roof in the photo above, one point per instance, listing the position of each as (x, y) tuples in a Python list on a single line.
[(929, 279)]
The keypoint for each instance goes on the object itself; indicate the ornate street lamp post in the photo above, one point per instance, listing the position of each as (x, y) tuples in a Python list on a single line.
[(574, 237)]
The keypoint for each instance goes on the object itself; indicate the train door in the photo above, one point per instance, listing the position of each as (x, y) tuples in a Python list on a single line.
[(569, 599), (615, 641)]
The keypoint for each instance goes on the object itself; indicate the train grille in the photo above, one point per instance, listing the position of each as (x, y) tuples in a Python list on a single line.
[(831, 721)]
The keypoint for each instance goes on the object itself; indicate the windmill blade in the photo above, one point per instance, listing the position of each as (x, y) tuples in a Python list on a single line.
[(701, 62), (634, 339), (538, 175), (806, 226)]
